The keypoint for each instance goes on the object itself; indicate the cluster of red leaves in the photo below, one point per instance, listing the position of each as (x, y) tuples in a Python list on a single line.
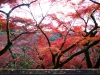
[(45, 53), (7, 1)]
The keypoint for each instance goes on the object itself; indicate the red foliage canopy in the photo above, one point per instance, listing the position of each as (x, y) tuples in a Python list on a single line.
[(60, 34)]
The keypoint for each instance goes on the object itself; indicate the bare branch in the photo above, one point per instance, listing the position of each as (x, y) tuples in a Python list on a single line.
[(3, 12), (65, 37), (22, 34), (95, 2), (64, 51), (9, 42), (93, 18), (41, 8), (83, 20), (76, 54), (28, 4), (5, 48)]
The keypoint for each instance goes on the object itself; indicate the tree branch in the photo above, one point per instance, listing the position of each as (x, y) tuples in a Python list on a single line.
[(28, 4), (76, 54), (6, 48), (22, 34), (9, 43), (98, 63), (95, 2)]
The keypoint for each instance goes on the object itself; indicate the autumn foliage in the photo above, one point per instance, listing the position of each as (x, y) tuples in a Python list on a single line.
[(62, 34)]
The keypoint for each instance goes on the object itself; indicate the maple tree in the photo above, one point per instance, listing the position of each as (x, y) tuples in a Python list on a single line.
[(60, 38)]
